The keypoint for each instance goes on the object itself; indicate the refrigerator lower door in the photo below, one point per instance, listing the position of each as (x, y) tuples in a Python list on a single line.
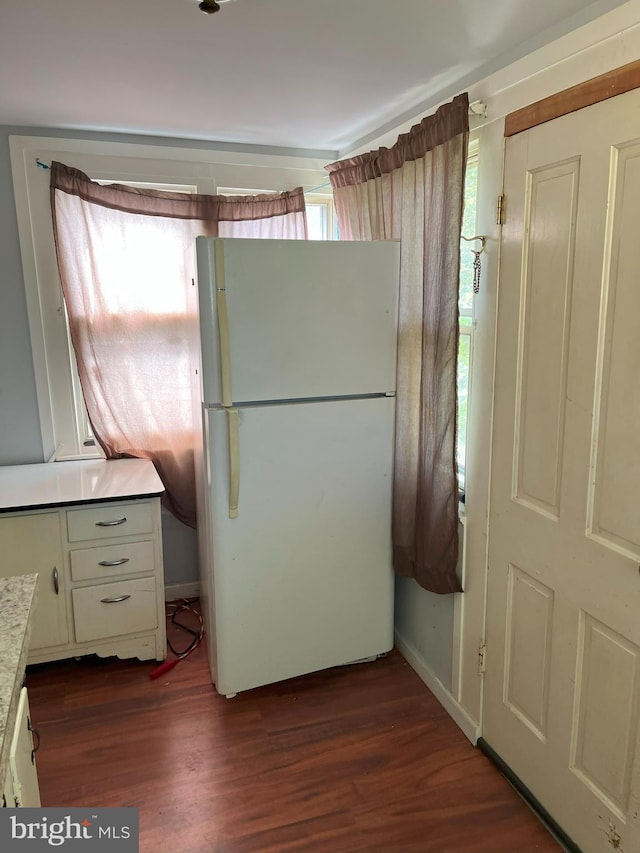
[(301, 579)]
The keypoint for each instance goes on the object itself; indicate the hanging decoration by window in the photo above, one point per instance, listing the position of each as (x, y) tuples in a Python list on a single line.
[(476, 259)]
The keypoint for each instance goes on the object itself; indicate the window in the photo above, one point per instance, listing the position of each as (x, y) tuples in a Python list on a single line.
[(321, 219), (65, 431), (322, 223), (82, 444), (465, 349), (159, 300)]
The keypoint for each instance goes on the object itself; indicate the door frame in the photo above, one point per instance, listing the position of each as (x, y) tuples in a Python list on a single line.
[(593, 91)]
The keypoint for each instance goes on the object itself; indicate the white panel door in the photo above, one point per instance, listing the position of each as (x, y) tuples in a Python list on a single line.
[(306, 318), (302, 577), (562, 686)]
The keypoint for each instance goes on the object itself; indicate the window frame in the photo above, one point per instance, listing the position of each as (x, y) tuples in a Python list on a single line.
[(330, 220)]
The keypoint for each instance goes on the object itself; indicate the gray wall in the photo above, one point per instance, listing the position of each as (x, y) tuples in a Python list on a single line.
[(424, 621)]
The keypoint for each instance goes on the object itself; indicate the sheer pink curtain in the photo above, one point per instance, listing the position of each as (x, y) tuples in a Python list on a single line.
[(414, 191), (127, 260), (280, 217)]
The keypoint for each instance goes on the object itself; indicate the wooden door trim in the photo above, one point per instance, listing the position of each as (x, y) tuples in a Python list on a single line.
[(592, 91)]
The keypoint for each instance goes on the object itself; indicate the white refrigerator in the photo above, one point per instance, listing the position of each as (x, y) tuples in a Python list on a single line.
[(294, 473)]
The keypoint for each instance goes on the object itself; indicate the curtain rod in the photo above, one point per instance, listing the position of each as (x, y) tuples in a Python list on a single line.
[(306, 192), (319, 187)]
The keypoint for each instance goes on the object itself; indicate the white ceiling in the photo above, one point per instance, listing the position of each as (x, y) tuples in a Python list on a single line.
[(312, 74)]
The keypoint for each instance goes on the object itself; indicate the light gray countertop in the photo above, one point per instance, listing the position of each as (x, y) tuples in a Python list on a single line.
[(55, 484), (17, 600)]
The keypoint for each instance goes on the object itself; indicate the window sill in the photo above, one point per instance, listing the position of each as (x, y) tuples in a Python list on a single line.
[(59, 455)]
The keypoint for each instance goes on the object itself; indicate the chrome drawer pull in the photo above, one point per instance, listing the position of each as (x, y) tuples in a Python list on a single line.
[(110, 563), (56, 585), (116, 600), (110, 523)]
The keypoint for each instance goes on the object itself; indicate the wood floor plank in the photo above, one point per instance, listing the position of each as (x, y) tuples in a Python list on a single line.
[(358, 759)]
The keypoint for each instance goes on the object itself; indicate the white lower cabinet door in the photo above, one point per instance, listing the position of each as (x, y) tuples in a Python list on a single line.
[(32, 544), (22, 759)]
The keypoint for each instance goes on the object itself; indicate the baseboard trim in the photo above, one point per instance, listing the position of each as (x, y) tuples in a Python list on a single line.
[(444, 697), (531, 800), (181, 590)]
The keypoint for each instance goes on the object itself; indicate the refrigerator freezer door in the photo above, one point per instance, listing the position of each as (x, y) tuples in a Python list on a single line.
[(302, 578), (306, 319)]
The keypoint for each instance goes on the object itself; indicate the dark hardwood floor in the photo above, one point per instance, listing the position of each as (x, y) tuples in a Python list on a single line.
[(358, 759)]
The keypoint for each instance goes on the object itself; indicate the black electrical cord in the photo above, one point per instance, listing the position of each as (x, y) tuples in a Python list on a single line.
[(173, 609), (185, 606)]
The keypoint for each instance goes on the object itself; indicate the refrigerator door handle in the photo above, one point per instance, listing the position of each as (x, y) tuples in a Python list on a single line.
[(234, 460), (223, 327)]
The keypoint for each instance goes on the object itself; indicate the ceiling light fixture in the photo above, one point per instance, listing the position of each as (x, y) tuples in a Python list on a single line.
[(211, 6)]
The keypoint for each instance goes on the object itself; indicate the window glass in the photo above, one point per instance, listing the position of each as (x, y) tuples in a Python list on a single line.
[(465, 304), (316, 221), (464, 369)]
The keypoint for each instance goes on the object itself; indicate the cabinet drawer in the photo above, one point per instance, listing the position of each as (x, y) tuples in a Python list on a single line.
[(108, 521), (107, 561), (96, 615)]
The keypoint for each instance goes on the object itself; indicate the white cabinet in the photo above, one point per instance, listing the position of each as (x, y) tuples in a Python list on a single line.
[(30, 544), (92, 532), (22, 781), (116, 578), (101, 580)]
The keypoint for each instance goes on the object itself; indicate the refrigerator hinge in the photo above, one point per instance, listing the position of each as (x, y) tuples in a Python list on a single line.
[(482, 658)]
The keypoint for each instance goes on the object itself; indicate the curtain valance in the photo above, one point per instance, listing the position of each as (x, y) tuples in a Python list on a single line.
[(175, 205)]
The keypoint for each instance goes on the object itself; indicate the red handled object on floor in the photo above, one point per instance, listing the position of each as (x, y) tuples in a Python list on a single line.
[(159, 670)]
